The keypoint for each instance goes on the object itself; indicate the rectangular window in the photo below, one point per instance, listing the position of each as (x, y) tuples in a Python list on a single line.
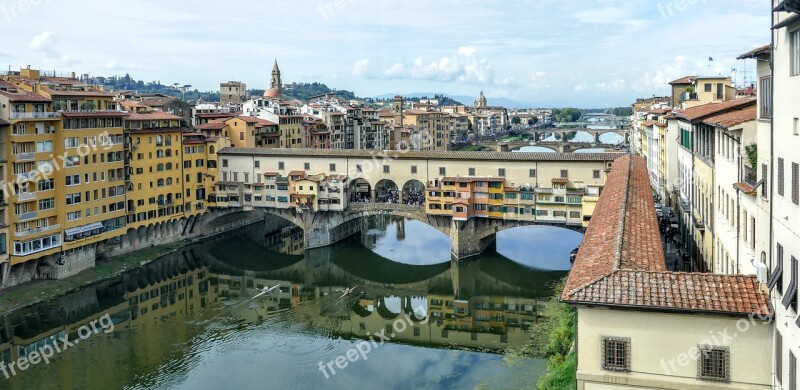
[(796, 183), (501, 172), (471, 172), (256, 164), (616, 354), (765, 97), (564, 173), (306, 166), (442, 171), (385, 169), (713, 363), (764, 176), (413, 169), (780, 176), (795, 51), (224, 162), (596, 174), (778, 357), (280, 166), (332, 168), (532, 173)]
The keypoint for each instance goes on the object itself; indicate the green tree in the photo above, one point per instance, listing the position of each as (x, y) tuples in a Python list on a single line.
[(532, 121), (516, 120)]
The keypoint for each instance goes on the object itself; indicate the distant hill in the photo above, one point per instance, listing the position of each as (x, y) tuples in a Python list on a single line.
[(444, 100), (303, 91), (462, 99), (128, 83)]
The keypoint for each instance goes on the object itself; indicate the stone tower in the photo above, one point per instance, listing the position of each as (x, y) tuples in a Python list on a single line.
[(397, 109)]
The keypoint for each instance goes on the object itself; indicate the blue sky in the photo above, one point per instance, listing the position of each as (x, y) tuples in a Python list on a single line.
[(547, 52)]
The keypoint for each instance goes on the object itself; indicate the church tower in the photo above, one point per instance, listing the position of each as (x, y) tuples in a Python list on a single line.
[(275, 89), (276, 77), (480, 102), (397, 108)]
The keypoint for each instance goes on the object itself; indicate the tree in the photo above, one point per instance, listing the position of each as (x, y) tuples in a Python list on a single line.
[(516, 120), (532, 121), (567, 114)]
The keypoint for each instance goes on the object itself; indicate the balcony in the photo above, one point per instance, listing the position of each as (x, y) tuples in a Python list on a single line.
[(688, 96), (26, 175), (34, 115), (38, 231), (26, 196), (750, 176), (25, 156), (164, 203), (28, 215)]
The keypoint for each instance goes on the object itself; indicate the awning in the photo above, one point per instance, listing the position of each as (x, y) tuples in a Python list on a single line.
[(786, 22), (84, 228)]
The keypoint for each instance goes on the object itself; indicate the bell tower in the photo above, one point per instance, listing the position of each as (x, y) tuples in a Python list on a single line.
[(276, 77)]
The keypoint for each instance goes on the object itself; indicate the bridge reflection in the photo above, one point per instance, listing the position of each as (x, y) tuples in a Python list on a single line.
[(486, 303)]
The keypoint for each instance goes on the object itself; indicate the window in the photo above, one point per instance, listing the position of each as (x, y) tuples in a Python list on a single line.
[(778, 357), (795, 183), (225, 163), (332, 167), (713, 363), (765, 96), (442, 171), (280, 165), (46, 185), (73, 198), (306, 166), (616, 354), (501, 172), (764, 176), (471, 172), (73, 180), (780, 176), (532, 173), (413, 169), (47, 204), (596, 174), (358, 168), (795, 50), (564, 173), (707, 87)]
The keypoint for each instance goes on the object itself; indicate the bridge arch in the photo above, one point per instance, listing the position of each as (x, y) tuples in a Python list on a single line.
[(386, 191), (413, 193), (360, 190)]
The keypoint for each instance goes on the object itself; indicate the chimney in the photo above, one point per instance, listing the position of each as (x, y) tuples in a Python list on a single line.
[(72, 74)]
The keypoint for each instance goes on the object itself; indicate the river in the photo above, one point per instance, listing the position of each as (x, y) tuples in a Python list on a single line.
[(189, 319)]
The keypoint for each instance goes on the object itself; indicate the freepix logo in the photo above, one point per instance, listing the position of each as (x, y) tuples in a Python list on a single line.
[(13, 10), (54, 345)]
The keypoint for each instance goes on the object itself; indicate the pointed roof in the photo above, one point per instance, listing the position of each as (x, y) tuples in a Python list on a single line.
[(275, 67)]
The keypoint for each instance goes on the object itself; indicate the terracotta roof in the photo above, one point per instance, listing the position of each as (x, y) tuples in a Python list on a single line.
[(660, 111), (755, 53), (416, 154), (153, 116), (472, 179), (94, 114), (337, 176), (733, 118), (706, 110), (55, 93), (649, 123), (211, 126), (560, 180), (215, 115), (297, 173), (683, 80), (746, 188), (257, 121), (24, 96), (131, 104), (159, 101), (620, 262)]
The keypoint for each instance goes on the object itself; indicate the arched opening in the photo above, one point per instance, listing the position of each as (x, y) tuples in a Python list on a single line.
[(360, 191), (386, 191), (169, 181), (159, 167), (168, 166), (169, 153), (414, 193), (211, 149), (160, 183), (159, 153)]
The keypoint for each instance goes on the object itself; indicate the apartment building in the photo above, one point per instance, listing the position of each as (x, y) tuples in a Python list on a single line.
[(691, 91), (232, 92), (432, 128), (784, 195), (66, 163)]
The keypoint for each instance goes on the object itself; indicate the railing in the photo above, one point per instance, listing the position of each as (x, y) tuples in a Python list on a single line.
[(33, 115), (28, 215), (26, 175), (25, 156), (750, 176), (165, 203), (26, 196), (38, 230)]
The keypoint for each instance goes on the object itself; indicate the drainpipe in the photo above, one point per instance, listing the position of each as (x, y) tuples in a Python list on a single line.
[(738, 205)]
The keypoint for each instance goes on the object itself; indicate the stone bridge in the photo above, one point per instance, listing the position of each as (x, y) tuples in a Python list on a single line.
[(539, 134), (468, 238), (559, 147)]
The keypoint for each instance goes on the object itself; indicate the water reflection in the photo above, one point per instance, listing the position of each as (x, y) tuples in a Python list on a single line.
[(189, 321), (584, 137), (535, 149)]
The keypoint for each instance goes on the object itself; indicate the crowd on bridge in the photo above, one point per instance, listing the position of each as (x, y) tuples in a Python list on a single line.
[(360, 197), (415, 198)]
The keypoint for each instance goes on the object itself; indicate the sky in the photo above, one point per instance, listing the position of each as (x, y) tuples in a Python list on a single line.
[(548, 53)]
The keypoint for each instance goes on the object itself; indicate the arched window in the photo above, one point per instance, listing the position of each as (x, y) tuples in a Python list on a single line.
[(169, 152), (160, 182), (211, 149), (169, 181), (169, 166), (160, 167), (159, 153), (159, 140)]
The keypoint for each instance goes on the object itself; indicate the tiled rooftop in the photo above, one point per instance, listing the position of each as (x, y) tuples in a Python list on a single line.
[(153, 116), (733, 118), (755, 53), (442, 155), (24, 96), (706, 110), (621, 262), (684, 80)]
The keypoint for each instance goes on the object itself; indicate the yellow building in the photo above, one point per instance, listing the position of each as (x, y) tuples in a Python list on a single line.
[(156, 187), (433, 127)]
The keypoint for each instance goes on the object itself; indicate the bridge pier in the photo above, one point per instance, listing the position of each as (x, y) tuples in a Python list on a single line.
[(466, 240)]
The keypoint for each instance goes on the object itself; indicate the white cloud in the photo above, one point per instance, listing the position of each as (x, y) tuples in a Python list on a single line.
[(361, 67), (47, 44), (464, 66), (579, 87)]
